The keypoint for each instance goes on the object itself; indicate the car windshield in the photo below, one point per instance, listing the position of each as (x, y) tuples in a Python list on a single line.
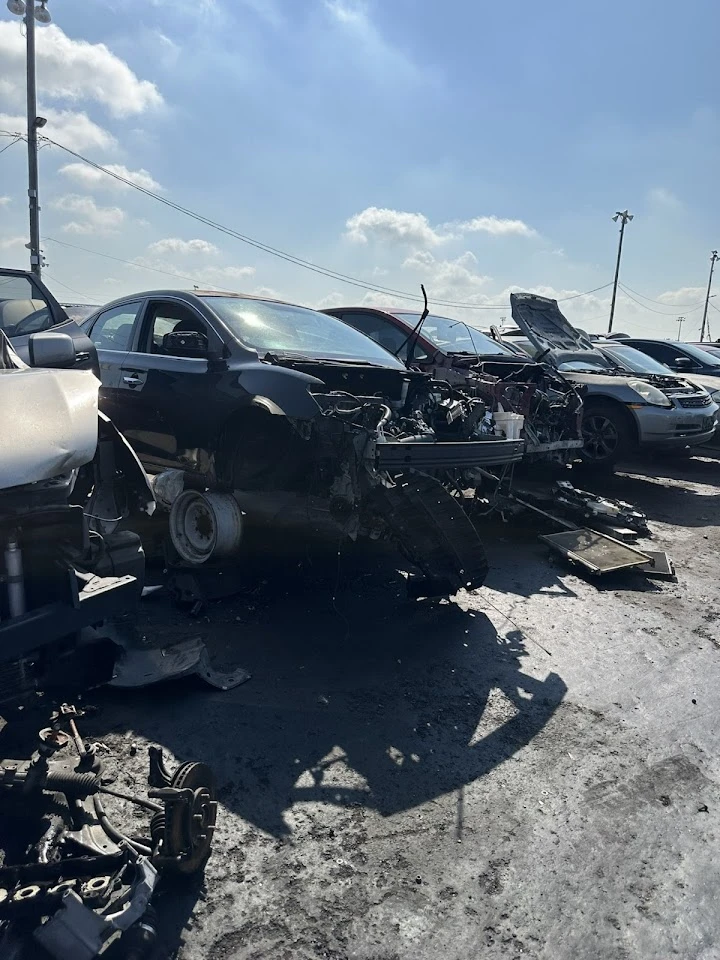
[(271, 327), (634, 360), (454, 336), (584, 361)]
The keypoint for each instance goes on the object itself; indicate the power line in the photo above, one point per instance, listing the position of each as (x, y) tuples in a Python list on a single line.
[(288, 257), (662, 303), (11, 144), (130, 263), (71, 289), (652, 309)]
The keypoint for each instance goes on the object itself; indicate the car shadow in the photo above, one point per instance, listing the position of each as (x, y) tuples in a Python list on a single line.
[(702, 467), (357, 698)]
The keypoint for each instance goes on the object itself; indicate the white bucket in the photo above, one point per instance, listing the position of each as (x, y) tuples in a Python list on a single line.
[(510, 424)]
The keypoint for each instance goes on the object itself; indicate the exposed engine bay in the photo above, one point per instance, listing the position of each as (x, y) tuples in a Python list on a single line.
[(550, 405), (72, 883)]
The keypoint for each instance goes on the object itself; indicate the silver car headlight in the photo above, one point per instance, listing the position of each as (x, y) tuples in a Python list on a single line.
[(650, 394)]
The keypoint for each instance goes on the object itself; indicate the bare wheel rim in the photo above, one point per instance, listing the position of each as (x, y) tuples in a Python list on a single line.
[(601, 437)]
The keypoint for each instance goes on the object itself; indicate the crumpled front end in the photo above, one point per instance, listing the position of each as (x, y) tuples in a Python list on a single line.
[(387, 456)]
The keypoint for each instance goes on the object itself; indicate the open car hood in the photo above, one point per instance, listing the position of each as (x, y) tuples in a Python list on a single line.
[(543, 324)]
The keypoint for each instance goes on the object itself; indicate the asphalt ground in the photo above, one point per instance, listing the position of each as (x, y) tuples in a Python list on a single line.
[(530, 771)]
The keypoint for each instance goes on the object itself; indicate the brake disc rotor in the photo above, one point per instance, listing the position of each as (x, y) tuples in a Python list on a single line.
[(187, 827)]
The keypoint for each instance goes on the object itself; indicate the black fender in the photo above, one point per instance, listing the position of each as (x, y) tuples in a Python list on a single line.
[(280, 391)]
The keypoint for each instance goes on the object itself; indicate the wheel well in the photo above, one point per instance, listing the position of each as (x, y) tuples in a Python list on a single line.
[(245, 421), (596, 401), (267, 439)]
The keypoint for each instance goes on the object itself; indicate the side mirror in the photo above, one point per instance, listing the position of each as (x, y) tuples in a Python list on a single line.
[(185, 343), (51, 350), (683, 363)]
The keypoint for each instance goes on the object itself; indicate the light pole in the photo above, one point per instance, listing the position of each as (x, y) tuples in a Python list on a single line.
[(713, 258), (31, 13), (623, 216), (681, 321)]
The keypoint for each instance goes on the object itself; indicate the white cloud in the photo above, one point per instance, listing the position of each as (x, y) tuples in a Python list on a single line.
[(223, 277), (182, 247), (13, 243), (89, 177), (401, 227), (447, 279), (684, 296), (267, 292), (662, 197), (74, 70), (92, 218), (168, 51), (228, 273), (372, 52), (72, 129), (393, 226), (4, 201), (267, 10), (495, 226), (333, 299)]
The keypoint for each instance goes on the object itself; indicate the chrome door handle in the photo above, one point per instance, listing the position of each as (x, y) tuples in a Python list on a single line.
[(133, 381)]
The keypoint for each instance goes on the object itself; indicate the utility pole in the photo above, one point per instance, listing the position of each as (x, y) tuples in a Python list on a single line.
[(33, 197), (713, 258), (31, 13), (681, 321), (623, 216)]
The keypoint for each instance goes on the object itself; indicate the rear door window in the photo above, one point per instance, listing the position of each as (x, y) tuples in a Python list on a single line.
[(113, 329), (660, 351)]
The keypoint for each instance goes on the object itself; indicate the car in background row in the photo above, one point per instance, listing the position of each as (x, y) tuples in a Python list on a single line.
[(452, 351), (712, 348), (633, 360), (280, 417), (683, 358), (80, 311), (622, 411)]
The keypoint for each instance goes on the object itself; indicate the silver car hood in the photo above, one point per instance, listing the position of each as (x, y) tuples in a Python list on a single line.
[(48, 422), (543, 324)]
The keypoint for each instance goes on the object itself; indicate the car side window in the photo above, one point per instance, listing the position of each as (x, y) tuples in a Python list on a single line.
[(113, 328), (167, 317), (383, 332), (659, 351)]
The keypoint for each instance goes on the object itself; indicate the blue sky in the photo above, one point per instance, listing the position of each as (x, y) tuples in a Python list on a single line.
[(477, 148)]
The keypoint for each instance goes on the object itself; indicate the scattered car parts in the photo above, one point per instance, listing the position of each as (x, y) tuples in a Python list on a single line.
[(544, 405), (71, 880), (595, 551)]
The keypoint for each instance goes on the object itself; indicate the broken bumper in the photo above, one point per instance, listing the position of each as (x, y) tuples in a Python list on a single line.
[(440, 456)]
